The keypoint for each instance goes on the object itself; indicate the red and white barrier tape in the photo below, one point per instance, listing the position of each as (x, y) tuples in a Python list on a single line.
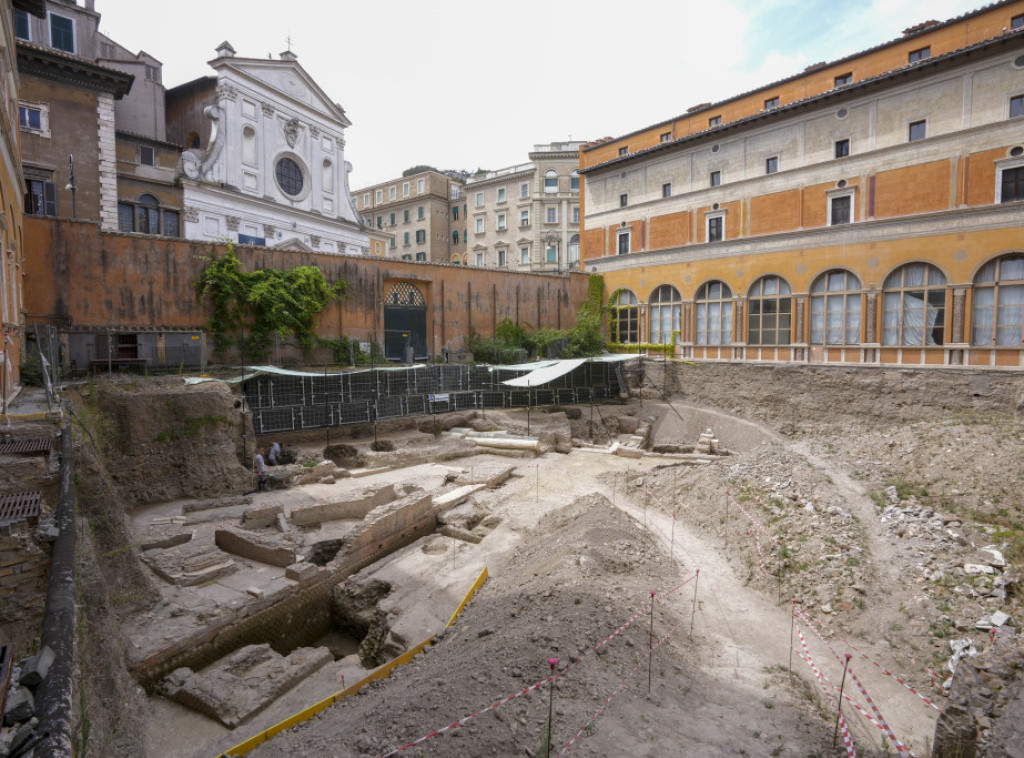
[(900, 747), (632, 620), (825, 685), (811, 623), (616, 691)]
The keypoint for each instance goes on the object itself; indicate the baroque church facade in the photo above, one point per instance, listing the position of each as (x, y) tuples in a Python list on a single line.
[(264, 159)]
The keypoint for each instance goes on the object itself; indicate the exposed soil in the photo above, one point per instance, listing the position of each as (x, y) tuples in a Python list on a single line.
[(870, 491)]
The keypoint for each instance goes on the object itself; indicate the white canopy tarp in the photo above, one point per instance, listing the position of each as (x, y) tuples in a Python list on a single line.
[(547, 371)]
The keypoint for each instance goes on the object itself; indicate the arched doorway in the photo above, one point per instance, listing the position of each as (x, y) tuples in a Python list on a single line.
[(405, 322)]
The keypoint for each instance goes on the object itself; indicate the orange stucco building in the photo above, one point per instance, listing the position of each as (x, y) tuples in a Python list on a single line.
[(867, 210)]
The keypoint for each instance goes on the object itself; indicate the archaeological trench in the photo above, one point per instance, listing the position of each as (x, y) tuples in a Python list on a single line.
[(885, 504)]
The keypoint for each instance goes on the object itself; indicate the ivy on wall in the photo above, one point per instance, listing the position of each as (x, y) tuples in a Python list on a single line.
[(263, 303)]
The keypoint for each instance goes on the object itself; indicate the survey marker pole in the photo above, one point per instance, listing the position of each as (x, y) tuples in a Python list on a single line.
[(552, 662), (839, 702)]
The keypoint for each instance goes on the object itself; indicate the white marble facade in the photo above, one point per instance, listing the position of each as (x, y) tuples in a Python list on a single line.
[(274, 170)]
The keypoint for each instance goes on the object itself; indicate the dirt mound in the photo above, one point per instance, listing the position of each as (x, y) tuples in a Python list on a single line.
[(162, 440), (583, 572)]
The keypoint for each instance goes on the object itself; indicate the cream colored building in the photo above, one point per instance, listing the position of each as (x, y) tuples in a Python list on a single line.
[(414, 211), (526, 217)]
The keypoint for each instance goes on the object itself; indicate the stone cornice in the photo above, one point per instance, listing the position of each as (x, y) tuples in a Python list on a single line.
[(235, 197), (58, 66)]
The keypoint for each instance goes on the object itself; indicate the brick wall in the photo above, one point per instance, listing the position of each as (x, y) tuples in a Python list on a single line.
[(24, 574), (92, 278)]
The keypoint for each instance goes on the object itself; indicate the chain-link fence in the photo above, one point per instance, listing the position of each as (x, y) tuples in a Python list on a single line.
[(291, 401)]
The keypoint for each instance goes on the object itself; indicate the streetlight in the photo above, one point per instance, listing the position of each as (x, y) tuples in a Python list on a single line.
[(71, 186)]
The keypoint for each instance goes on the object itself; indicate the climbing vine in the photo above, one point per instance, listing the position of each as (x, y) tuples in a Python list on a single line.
[(263, 302)]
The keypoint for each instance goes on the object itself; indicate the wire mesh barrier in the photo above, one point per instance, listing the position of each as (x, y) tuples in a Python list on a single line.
[(289, 401)]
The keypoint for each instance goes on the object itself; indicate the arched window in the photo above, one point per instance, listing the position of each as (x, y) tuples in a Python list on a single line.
[(914, 305), (835, 309), (769, 312), (574, 181), (249, 146), (574, 249), (625, 318), (455, 236), (666, 313), (328, 182), (551, 181), (713, 314), (998, 317), (149, 215)]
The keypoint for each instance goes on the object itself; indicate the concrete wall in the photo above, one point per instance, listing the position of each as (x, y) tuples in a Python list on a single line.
[(89, 278)]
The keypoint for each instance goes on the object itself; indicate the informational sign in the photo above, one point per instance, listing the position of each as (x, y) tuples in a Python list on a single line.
[(440, 398)]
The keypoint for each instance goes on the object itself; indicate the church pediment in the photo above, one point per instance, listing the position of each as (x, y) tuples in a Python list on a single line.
[(286, 77), (293, 245)]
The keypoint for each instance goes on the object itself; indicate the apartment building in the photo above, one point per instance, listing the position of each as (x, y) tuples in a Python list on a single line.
[(414, 212), (526, 217), (869, 210)]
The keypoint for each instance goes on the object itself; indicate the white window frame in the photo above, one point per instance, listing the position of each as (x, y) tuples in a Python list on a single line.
[(551, 253), (627, 234), (501, 194), (392, 193), (366, 200), (1009, 97), (850, 192), (480, 259), (479, 200), (405, 189), (575, 214), (379, 196), (421, 186), (44, 118), (524, 255), (524, 217), (1001, 166), (552, 190), (502, 222), (524, 190), (502, 257), (551, 214), (910, 121), (480, 225), (707, 225)]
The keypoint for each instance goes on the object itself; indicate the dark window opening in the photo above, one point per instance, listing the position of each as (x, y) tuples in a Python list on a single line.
[(844, 79), (62, 33), (289, 176), (40, 197), (919, 54), (842, 148), (1013, 185), (916, 131)]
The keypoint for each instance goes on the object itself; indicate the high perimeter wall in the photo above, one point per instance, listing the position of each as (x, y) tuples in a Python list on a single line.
[(90, 280)]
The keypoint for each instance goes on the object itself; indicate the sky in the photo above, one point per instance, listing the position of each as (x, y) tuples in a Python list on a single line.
[(468, 85)]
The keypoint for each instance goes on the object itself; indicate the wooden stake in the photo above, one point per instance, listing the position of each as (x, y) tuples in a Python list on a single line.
[(650, 647), (792, 623), (552, 662), (693, 611), (839, 707)]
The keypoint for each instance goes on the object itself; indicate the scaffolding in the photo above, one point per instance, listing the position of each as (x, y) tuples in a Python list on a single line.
[(285, 401)]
